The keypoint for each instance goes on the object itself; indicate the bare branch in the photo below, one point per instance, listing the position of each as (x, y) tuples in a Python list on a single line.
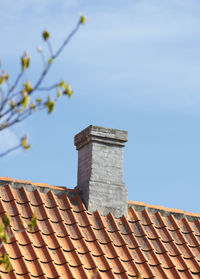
[(56, 55), (48, 88), (50, 48), (2, 98), (43, 58), (16, 82), (17, 103), (67, 40), (10, 150), (41, 78)]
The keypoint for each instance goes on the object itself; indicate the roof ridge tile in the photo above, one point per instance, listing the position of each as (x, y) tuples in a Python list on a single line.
[(178, 213)]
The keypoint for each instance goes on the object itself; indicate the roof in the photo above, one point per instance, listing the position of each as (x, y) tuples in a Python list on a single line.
[(70, 242)]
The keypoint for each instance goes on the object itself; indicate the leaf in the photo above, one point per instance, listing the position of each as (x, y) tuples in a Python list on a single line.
[(33, 223), (83, 19), (25, 61), (67, 90), (46, 35), (6, 261), (5, 75), (25, 101), (3, 125), (12, 103), (50, 60), (59, 92), (6, 220), (50, 105), (5, 237), (2, 227), (139, 276), (28, 87), (27, 147), (2, 80), (24, 142), (62, 83), (34, 219), (32, 105), (38, 101)]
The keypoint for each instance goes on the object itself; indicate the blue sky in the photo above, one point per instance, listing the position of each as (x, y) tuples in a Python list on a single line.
[(134, 66)]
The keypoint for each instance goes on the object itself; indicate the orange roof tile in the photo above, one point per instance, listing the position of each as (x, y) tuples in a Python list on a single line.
[(70, 242)]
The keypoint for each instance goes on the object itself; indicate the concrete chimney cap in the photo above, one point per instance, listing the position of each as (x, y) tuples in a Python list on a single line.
[(100, 134)]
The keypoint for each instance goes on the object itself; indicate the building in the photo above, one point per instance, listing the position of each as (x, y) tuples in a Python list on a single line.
[(93, 231)]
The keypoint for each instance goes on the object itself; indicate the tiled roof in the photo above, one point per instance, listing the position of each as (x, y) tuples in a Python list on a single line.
[(70, 242)]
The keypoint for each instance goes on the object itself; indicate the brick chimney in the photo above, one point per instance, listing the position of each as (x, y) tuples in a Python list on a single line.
[(100, 169)]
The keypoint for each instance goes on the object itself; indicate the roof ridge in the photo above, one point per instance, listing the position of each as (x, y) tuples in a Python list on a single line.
[(165, 211), (58, 190), (42, 187)]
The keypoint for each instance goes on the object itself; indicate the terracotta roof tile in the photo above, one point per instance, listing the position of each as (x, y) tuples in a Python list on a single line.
[(70, 242), (95, 248)]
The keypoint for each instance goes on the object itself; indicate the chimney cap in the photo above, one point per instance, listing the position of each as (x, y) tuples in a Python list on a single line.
[(102, 135)]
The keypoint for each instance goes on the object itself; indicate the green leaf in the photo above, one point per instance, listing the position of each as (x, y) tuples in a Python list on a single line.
[(6, 261), (12, 103), (50, 105), (62, 83), (27, 147), (25, 101), (67, 90), (5, 237), (33, 223), (28, 87), (24, 142), (50, 60), (83, 19), (3, 125), (32, 105), (2, 80), (59, 92), (5, 75), (46, 35), (39, 101), (2, 227), (25, 61), (6, 220)]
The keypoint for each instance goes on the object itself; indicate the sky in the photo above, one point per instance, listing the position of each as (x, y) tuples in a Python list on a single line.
[(134, 66)]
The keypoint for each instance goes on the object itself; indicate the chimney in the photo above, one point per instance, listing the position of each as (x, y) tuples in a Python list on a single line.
[(100, 169)]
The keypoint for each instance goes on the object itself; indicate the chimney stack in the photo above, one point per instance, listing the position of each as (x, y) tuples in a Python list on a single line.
[(100, 169)]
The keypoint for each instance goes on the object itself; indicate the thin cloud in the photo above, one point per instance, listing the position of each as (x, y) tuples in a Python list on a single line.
[(150, 46)]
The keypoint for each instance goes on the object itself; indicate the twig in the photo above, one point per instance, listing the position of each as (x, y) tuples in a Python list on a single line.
[(67, 40), (50, 48), (10, 150), (16, 82), (47, 88)]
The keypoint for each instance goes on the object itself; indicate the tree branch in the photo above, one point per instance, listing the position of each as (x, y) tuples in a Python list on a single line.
[(10, 150), (67, 40), (16, 82), (48, 88)]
